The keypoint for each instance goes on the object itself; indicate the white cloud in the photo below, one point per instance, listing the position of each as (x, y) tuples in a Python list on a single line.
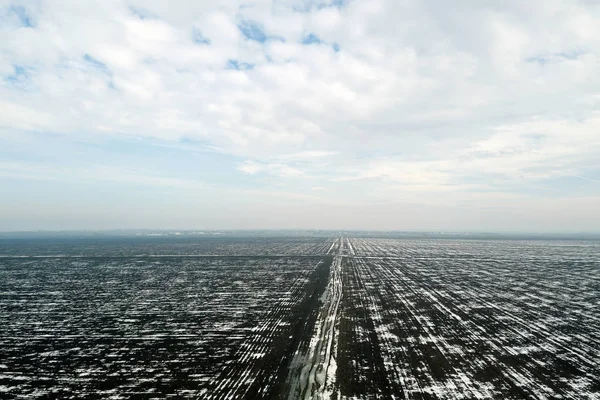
[(275, 169), (250, 168), (92, 173)]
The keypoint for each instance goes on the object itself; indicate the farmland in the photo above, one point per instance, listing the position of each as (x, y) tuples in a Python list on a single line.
[(300, 318), (470, 319), (175, 325)]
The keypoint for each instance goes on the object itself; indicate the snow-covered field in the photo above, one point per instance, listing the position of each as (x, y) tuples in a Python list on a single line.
[(115, 326), (455, 319), (305, 318)]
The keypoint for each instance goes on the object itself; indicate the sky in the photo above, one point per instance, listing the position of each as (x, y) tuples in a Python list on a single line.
[(298, 114)]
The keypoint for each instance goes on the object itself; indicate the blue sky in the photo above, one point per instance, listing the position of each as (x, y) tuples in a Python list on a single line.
[(373, 114)]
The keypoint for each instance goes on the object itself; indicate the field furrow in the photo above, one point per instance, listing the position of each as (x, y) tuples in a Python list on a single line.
[(445, 323)]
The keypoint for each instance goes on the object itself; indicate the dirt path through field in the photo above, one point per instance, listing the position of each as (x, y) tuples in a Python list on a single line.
[(313, 372)]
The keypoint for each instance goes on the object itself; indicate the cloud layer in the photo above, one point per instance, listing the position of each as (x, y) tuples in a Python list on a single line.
[(351, 103)]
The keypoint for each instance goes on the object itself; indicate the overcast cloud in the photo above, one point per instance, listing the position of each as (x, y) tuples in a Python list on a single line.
[(371, 114)]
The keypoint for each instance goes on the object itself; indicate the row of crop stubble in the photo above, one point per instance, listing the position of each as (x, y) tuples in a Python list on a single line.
[(468, 319)]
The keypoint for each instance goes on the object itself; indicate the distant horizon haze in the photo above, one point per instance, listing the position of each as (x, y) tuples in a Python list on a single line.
[(273, 233)]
